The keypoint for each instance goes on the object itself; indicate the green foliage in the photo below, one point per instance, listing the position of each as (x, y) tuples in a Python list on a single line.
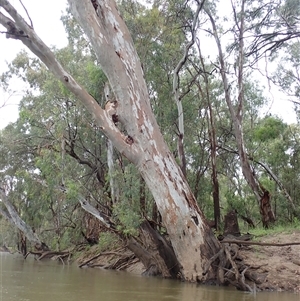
[(269, 129), (8, 234), (108, 241), (287, 73), (128, 221)]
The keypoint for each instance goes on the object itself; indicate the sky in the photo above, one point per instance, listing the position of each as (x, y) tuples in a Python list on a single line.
[(45, 16)]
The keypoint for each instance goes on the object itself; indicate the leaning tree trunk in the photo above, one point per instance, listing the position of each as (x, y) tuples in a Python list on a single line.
[(14, 218), (143, 144), (149, 246), (155, 253)]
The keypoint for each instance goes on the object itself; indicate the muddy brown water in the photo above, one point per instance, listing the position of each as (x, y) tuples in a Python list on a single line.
[(31, 280)]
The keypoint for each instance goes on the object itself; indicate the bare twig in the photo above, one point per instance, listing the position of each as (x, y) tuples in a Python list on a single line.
[(31, 24)]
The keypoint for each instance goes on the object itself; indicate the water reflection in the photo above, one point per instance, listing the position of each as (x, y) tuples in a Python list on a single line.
[(31, 280)]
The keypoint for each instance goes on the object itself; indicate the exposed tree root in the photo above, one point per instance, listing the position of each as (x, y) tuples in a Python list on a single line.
[(231, 270), (49, 254)]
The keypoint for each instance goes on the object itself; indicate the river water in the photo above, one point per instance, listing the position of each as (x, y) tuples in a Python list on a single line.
[(31, 280)]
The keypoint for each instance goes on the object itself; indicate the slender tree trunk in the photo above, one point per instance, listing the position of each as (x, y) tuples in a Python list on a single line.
[(267, 215), (238, 121), (178, 100), (215, 180), (238, 114), (213, 146)]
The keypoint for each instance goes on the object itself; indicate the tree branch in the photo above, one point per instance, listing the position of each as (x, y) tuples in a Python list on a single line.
[(242, 242), (42, 51)]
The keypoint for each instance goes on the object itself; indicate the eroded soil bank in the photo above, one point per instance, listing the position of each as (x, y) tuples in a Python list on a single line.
[(279, 266)]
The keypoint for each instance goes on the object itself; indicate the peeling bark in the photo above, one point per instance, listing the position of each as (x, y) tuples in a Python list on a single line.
[(266, 210)]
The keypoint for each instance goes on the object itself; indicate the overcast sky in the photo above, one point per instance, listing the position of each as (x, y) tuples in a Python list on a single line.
[(45, 16)]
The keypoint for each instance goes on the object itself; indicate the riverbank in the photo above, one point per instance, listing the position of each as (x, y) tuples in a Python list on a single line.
[(279, 267)]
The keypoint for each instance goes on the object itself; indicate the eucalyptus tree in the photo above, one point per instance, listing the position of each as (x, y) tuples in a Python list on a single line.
[(16, 163), (275, 148), (234, 97), (142, 142)]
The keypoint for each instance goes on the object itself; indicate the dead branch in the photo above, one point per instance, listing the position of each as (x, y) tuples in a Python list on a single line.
[(47, 254), (211, 260), (241, 242), (295, 261), (31, 24)]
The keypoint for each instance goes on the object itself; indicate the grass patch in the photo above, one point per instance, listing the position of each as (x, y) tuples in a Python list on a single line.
[(276, 229)]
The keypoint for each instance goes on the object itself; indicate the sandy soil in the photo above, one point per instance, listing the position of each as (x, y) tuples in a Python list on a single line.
[(281, 265)]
